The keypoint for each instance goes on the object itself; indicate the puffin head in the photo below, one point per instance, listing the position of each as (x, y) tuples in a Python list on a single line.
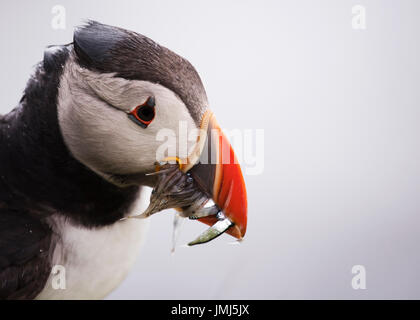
[(126, 104)]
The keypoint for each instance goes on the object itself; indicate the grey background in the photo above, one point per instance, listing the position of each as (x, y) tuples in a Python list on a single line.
[(340, 109)]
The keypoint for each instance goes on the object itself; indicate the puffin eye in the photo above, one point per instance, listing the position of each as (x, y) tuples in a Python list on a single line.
[(143, 114)]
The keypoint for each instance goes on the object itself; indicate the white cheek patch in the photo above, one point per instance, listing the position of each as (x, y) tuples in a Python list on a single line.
[(121, 93), (93, 116)]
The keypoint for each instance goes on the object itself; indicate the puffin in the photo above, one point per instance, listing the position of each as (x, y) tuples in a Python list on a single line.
[(99, 126)]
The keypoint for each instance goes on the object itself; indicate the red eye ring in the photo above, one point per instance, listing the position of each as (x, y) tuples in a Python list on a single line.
[(143, 114)]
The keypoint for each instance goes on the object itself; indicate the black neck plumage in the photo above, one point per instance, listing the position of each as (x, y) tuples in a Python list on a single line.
[(37, 172)]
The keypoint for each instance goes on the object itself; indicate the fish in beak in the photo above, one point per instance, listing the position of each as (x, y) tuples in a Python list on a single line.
[(207, 186)]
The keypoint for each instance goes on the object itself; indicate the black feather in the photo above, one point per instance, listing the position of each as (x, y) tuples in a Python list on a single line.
[(94, 42), (37, 171), (133, 56), (26, 247), (39, 176)]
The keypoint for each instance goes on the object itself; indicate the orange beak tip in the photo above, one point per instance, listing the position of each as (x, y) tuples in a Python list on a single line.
[(222, 179)]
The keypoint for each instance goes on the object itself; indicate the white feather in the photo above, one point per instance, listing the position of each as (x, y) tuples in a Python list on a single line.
[(92, 113), (96, 260)]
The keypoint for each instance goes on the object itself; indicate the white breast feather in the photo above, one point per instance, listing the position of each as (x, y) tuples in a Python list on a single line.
[(96, 260)]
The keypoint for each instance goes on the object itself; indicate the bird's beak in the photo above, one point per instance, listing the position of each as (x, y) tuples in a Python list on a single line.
[(215, 168)]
